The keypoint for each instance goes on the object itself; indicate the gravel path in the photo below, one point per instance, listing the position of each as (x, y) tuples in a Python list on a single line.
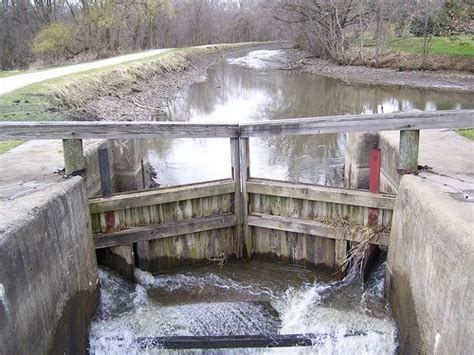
[(18, 81)]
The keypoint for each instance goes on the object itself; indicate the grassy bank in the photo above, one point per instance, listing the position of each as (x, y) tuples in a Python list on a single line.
[(54, 99), (5, 146), (460, 46), (468, 133), (6, 74), (445, 53)]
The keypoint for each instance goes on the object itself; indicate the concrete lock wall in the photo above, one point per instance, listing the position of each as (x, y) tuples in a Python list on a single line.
[(429, 275), (48, 271), (429, 283)]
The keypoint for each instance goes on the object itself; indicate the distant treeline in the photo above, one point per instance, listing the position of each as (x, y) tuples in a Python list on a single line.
[(54, 31), (57, 30)]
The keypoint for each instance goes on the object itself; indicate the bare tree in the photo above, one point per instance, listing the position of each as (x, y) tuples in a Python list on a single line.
[(328, 26), (103, 27)]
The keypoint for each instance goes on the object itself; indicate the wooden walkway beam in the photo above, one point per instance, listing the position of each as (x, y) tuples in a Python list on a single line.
[(160, 231), (313, 228), (321, 193), (405, 121), (160, 196)]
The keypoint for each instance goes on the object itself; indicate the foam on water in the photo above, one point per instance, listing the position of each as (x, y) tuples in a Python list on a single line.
[(242, 307), (257, 59)]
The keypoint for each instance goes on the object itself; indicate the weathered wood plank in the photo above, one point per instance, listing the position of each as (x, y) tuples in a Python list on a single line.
[(244, 178), (233, 341), (104, 168), (408, 152), (310, 228), (160, 196), (235, 160), (74, 160), (110, 129), (298, 126), (161, 231), (340, 255), (360, 123), (321, 193)]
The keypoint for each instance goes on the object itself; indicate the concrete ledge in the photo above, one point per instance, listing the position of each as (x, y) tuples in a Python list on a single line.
[(430, 263), (445, 151), (48, 271)]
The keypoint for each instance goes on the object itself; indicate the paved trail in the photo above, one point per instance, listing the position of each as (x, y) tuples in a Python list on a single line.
[(18, 81)]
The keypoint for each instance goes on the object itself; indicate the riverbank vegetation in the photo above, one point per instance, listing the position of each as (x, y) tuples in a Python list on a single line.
[(402, 34), (42, 33), (428, 34)]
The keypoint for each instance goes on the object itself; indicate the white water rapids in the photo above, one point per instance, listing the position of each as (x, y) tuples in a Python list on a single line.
[(350, 316)]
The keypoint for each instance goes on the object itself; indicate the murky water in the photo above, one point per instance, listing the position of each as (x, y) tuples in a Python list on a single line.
[(251, 298), (250, 88)]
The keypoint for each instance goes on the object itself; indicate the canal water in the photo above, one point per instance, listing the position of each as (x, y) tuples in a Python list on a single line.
[(251, 87), (259, 297), (252, 298)]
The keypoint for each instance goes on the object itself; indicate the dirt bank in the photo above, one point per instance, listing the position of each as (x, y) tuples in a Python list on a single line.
[(145, 93), (146, 96), (439, 80), (147, 99)]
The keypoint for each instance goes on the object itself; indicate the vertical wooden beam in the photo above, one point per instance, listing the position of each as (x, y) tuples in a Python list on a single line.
[(104, 169), (235, 160), (408, 152), (340, 254), (244, 177), (74, 161), (106, 186), (374, 181)]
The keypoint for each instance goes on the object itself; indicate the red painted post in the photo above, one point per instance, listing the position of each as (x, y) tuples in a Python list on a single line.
[(374, 181), (109, 222)]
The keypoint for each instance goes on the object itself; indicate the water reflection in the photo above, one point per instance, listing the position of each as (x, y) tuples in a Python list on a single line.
[(237, 93)]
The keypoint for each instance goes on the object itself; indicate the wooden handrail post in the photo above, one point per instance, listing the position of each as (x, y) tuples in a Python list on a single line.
[(235, 161), (74, 160), (244, 178), (408, 152)]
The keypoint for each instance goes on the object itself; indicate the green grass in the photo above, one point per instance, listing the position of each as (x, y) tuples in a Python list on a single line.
[(5, 74), (468, 133), (5, 146), (461, 46)]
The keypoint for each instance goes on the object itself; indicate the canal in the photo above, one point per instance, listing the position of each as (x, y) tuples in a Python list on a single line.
[(260, 297)]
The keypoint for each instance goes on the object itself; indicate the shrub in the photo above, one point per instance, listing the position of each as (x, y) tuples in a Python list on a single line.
[(53, 41), (420, 26)]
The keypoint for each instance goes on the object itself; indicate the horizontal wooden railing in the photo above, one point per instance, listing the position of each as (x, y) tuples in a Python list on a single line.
[(320, 193), (452, 119), (160, 196), (167, 230)]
